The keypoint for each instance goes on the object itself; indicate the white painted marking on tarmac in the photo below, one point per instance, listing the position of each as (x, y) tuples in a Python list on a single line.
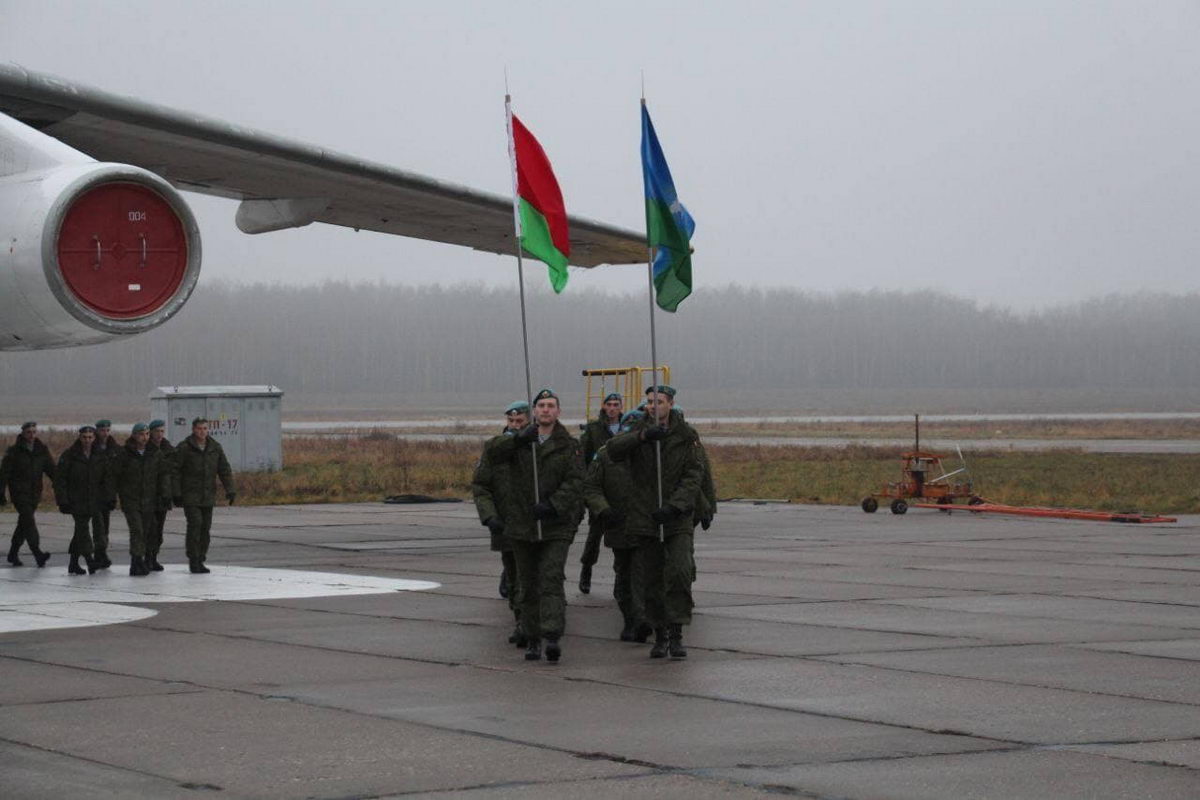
[(39, 599)]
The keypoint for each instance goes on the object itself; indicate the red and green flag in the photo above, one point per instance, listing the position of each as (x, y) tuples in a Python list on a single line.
[(541, 217)]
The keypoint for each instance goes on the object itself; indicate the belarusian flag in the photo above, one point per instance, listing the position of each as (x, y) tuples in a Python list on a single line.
[(541, 215)]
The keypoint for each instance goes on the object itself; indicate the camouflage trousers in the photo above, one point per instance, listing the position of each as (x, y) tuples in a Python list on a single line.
[(665, 571), (540, 571)]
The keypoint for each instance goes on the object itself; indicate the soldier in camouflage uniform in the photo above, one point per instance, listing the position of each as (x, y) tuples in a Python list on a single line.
[(106, 447), (595, 434), (200, 461), (83, 484), (663, 560), (542, 531), (154, 537), (607, 490), (142, 481), (495, 497), (21, 471)]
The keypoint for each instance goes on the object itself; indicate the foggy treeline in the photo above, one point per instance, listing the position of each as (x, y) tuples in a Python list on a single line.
[(345, 339)]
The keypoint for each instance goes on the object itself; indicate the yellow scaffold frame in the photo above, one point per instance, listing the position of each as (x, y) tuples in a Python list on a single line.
[(630, 382)]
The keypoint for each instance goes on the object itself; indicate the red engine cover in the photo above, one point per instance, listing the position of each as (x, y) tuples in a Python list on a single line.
[(122, 250)]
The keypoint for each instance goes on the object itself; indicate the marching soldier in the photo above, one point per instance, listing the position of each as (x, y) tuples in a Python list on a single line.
[(106, 447), (495, 499), (142, 481), (542, 531), (154, 537), (595, 434), (82, 486), (199, 463), (607, 490), (21, 471), (663, 560)]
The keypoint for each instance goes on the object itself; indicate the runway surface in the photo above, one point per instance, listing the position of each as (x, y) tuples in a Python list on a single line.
[(360, 651)]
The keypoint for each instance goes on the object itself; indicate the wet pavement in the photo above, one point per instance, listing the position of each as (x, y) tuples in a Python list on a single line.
[(360, 651)]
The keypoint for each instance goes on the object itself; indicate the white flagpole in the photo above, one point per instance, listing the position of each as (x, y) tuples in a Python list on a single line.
[(512, 159)]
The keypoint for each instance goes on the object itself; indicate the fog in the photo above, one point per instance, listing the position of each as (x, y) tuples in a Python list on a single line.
[(779, 348)]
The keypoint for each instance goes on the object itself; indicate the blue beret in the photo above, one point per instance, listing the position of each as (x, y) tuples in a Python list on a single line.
[(614, 396), (27, 425), (157, 423), (630, 417), (545, 394), (104, 423), (662, 388), (87, 429), (518, 406), (138, 427)]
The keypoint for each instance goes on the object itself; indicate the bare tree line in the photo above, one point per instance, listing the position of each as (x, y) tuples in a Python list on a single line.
[(368, 338)]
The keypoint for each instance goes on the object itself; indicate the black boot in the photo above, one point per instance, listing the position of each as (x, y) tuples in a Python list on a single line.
[(13, 558), (137, 566), (152, 563), (41, 557), (642, 632), (533, 652), (659, 650), (675, 641), (553, 651), (629, 631), (504, 583), (100, 559), (585, 579), (196, 567), (92, 564), (73, 568), (518, 636)]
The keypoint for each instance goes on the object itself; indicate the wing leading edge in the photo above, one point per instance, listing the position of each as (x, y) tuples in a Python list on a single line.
[(284, 183)]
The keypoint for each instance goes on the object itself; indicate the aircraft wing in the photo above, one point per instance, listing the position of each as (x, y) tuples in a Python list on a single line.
[(283, 183)]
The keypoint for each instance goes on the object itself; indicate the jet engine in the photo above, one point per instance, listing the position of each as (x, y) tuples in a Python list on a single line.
[(89, 251)]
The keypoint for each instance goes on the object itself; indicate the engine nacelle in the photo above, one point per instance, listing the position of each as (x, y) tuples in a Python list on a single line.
[(89, 252)]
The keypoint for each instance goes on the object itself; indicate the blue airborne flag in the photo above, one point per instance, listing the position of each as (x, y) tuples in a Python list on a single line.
[(669, 226)]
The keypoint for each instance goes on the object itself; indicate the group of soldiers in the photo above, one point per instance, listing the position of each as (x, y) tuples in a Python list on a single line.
[(147, 476), (644, 480)]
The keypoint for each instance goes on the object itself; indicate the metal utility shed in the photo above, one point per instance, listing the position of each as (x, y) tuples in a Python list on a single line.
[(246, 420)]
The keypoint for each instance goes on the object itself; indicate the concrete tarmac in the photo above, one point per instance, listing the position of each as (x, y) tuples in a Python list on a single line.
[(833, 654)]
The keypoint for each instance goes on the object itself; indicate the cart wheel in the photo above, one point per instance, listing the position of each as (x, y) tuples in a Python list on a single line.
[(899, 507), (945, 501), (975, 500), (870, 504)]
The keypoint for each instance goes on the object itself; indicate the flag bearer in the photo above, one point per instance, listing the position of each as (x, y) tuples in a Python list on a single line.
[(21, 471), (542, 531), (663, 560), (495, 501), (595, 434), (154, 537)]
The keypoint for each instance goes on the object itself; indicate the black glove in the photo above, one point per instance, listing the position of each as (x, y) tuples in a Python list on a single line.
[(544, 511), (528, 434), (177, 500), (495, 525), (611, 518), (64, 508), (655, 434), (664, 514), (231, 496), (706, 522), (110, 505)]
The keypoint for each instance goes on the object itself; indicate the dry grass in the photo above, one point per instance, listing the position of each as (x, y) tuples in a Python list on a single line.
[(995, 429), (367, 468)]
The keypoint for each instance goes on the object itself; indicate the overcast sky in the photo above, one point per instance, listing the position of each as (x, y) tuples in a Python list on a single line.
[(1022, 153)]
